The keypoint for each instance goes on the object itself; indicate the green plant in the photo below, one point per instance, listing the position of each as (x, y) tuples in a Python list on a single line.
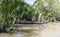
[(7, 10), (50, 9)]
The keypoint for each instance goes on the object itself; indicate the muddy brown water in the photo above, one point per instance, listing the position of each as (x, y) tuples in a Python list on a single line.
[(43, 30)]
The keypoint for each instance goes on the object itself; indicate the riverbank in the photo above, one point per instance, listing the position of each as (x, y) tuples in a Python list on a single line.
[(51, 29)]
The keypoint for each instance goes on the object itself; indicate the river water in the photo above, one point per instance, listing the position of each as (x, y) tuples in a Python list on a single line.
[(43, 30)]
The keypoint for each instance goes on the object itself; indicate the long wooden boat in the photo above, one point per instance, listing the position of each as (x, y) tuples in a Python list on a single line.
[(31, 22)]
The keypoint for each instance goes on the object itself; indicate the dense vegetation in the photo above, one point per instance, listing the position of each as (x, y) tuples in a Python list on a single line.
[(11, 10), (48, 9)]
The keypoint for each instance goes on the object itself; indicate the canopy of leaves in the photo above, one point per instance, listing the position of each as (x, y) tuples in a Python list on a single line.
[(50, 9)]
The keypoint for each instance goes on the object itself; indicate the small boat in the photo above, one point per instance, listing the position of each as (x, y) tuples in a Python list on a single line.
[(30, 22)]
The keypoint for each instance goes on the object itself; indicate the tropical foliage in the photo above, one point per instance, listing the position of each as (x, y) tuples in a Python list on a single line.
[(49, 9), (11, 10)]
